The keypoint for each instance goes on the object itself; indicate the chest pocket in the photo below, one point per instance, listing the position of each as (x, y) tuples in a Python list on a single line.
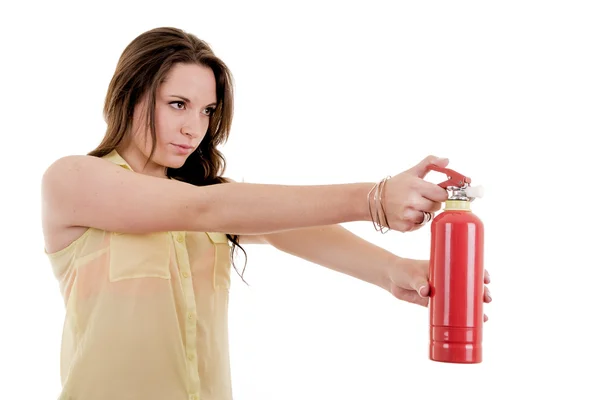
[(222, 264), (139, 256)]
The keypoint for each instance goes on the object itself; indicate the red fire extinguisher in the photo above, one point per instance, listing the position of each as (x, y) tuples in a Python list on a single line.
[(456, 275)]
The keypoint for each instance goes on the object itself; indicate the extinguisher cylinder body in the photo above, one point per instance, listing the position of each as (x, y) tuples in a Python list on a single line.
[(456, 274)]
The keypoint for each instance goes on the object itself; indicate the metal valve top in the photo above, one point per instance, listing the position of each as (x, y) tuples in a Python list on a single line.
[(458, 185)]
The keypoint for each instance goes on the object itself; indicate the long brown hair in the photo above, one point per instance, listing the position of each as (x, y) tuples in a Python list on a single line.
[(142, 67)]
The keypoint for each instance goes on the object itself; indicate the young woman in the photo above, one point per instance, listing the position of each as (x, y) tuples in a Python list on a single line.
[(140, 232)]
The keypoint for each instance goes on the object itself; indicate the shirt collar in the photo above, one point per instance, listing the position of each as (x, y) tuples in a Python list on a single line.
[(116, 158)]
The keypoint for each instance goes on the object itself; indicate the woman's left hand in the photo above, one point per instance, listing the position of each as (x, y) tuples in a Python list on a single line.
[(409, 282)]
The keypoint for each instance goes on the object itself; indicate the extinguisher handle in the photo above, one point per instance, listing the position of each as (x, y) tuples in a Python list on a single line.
[(454, 178)]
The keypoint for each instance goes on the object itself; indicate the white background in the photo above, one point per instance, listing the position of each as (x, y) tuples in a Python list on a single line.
[(332, 92)]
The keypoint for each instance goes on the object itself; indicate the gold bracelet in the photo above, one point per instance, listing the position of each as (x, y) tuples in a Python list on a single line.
[(382, 224), (384, 220)]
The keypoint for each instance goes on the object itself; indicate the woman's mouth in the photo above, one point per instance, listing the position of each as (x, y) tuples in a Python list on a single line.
[(183, 148)]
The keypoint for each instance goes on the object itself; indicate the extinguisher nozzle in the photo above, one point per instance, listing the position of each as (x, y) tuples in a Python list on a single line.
[(474, 191)]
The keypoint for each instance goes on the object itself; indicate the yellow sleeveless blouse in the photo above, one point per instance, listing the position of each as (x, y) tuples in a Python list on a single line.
[(146, 315)]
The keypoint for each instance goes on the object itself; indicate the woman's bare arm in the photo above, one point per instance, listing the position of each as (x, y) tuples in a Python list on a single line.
[(338, 249), (87, 191)]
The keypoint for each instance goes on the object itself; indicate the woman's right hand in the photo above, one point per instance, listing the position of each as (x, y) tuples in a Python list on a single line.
[(407, 196), (86, 191)]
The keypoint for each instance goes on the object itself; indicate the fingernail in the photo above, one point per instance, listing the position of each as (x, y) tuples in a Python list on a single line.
[(419, 291)]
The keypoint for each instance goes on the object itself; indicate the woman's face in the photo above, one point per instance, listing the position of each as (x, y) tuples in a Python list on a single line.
[(185, 102)]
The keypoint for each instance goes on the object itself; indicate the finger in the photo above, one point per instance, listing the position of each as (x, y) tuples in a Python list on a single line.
[(422, 289), (486, 277), (419, 283), (487, 296), (424, 204), (422, 168), (422, 301), (414, 227), (431, 191), (414, 216), (410, 296), (485, 318)]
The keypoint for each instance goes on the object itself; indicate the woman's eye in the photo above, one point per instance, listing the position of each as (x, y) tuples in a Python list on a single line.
[(209, 111), (180, 105)]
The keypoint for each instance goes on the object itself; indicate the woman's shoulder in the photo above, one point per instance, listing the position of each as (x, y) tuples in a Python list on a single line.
[(78, 160), (57, 188), (65, 170)]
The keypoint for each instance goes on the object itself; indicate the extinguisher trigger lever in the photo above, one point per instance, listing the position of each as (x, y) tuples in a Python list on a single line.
[(454, 178)]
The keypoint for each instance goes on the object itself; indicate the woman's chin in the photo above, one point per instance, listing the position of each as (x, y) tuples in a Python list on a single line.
[(175, 162)]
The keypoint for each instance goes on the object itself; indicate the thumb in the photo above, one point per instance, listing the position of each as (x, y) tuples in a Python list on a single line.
[(422, 168), (421, 286)]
